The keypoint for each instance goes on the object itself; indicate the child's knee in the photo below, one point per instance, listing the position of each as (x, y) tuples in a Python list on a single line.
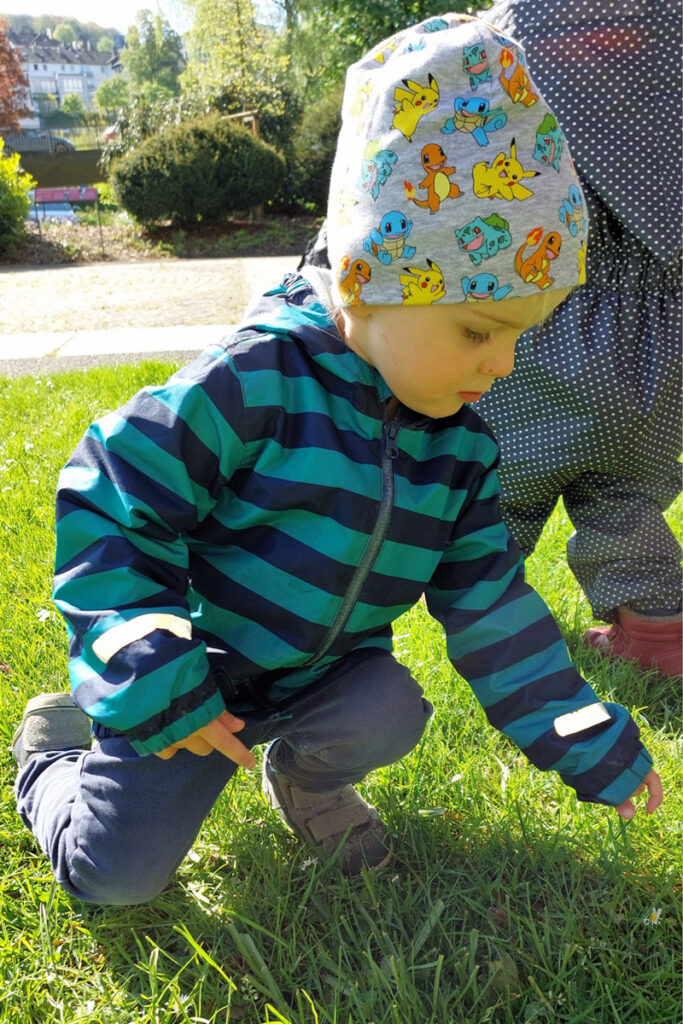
[(393, 707), (111, 887)]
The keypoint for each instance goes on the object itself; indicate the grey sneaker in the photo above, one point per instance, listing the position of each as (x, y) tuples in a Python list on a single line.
[(51, 722), (338, 820)]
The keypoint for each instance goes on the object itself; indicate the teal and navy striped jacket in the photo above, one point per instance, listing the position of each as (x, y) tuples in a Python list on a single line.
[(257, 517)]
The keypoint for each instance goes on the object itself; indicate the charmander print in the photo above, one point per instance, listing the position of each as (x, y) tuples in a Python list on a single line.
[(515, 80), (533, 269), (436, 182), (351, 277)]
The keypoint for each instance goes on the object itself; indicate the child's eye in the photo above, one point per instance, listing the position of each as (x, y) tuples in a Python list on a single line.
[(476, 336)]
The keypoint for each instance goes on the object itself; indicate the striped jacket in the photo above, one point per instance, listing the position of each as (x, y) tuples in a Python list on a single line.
[(257, 517)]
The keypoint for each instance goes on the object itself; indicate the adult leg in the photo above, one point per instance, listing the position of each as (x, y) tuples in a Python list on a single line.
[(623, 551), (626, 559)]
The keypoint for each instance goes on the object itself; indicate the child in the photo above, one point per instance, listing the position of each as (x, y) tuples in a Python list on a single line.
[(234, 546)]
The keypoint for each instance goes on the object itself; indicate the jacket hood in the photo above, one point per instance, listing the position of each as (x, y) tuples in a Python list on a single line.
[(301, 307)]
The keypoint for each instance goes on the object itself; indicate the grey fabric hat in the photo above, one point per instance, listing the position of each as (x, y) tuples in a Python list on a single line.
[(452, 181)]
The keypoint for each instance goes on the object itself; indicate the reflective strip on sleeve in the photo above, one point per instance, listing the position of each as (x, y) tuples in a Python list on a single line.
[(584, 718), (111, 642)]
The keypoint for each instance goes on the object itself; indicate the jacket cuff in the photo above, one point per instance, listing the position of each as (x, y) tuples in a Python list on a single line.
[(182, 728), (627, 783), (621, 787)]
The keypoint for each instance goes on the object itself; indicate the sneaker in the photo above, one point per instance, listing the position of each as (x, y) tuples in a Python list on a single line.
[(650, 642), (51, 722), (338, 821)]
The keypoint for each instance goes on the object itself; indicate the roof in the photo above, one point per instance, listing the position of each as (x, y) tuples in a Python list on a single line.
[(39, 48)]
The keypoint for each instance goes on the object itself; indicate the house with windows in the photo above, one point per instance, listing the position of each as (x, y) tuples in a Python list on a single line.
[(55, 71)]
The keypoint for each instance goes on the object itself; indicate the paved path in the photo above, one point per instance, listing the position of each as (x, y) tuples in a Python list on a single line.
[(74, 291)]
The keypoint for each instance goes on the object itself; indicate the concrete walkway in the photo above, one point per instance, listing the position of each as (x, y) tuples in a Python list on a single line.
[(48, 351)]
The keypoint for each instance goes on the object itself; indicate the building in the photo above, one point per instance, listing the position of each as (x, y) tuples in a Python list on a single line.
[(55, 71)]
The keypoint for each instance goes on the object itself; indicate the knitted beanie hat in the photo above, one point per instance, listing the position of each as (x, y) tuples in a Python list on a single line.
[(452, 181)]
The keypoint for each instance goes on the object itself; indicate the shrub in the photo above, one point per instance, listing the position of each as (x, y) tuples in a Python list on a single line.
[(14, 198), (314, 146), (197, 170)]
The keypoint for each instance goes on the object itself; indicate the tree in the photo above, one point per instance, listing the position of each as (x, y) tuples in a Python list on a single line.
[(234, 62), (153, 52), (65, 34), (113, 95), (105, 44), (72, 105), (323, 38), (14, 95)]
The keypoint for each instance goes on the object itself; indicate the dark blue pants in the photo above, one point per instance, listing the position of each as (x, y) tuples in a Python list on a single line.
[(116, 825)]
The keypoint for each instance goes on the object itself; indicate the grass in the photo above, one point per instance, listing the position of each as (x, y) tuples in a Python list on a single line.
[(507, 901)]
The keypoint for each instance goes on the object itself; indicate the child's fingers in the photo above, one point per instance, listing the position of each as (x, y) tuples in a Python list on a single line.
[(230, 721), (627, 810), (656, 790), (222, 738), (166, 754), (654, 786)]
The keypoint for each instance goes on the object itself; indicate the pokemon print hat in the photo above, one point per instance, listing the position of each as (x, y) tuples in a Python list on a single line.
[(453, 181)]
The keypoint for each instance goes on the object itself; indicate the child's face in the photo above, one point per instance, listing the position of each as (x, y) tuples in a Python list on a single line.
[(437, 358)]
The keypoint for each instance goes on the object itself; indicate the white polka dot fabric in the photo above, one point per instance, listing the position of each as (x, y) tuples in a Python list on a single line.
[(592, 411)]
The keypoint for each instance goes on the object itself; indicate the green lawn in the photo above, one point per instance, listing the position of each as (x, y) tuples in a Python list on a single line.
[(507, 901)]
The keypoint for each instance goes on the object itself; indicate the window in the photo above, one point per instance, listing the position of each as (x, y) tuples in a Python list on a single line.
[(72, 84)]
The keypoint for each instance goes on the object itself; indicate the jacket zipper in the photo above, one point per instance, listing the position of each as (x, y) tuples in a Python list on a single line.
[(389, 453)]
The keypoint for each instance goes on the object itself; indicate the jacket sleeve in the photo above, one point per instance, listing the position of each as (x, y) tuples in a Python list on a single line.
[(138, 483), (504, 641)]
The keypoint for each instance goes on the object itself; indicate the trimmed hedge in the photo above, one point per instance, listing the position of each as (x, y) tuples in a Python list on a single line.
[(198, 170)]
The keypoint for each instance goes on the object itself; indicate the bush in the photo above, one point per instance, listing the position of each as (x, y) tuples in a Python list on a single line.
[(14, 198), (314, 147), (197, 170)]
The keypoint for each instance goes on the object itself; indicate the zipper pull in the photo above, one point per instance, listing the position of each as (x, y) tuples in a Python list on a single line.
[(390, 446)]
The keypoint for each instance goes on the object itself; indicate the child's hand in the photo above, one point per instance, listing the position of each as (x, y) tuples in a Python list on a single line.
[(654, 788), (217, 735)]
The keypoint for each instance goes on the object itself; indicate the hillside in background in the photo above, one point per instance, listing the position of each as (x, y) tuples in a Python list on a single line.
[(85, 31)]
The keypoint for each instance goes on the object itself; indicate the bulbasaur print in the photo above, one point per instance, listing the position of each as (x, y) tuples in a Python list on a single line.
[(476, 64), (549, 143), (483, 238)]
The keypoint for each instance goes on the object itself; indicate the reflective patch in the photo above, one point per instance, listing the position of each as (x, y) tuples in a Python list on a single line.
[(111, 642), (584, 718)]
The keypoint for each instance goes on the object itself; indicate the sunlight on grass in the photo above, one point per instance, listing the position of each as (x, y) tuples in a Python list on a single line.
[(507, 901)]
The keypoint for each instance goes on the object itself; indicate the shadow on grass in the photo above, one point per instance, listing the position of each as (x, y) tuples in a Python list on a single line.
[(468, 923)]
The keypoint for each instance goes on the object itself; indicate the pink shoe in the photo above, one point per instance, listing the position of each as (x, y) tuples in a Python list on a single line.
[(651, 642)]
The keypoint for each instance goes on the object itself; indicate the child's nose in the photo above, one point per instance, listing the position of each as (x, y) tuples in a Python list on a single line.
[(499, 363)]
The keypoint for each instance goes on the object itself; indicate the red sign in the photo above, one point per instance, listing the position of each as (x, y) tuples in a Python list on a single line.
[(80, 193)]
